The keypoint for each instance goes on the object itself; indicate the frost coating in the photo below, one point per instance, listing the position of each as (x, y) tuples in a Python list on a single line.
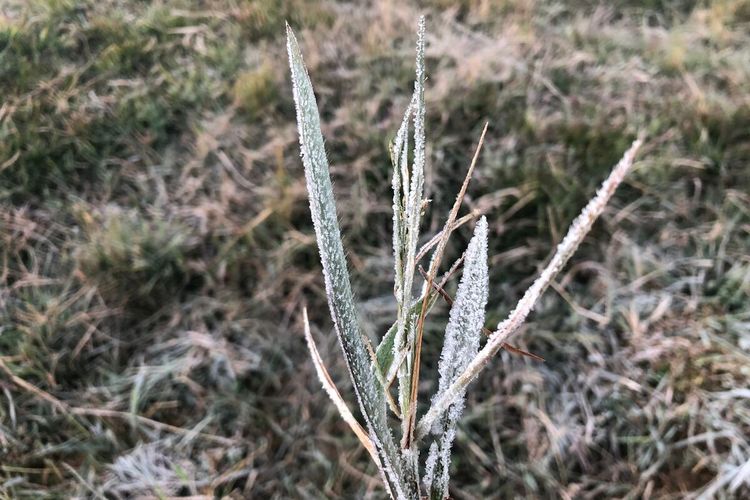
[(414, 202), (398, 354), (429, 466), (407, 211), (399, 158), (338, 287), (577, 231), (467, 314), (405, 334), (459, 348)]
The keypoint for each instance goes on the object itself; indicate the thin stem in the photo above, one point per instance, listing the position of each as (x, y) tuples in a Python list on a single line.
[(434, 265), (578, 230)]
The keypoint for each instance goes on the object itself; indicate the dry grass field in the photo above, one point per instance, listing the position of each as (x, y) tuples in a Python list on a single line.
[(156, 248)]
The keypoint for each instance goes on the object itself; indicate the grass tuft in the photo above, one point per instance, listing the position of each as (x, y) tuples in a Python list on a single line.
[(136, 264)]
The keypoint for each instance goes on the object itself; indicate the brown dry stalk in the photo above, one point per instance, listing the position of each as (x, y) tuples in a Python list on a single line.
[(335, 395), (434, 265), (39, 393), (102, 413)]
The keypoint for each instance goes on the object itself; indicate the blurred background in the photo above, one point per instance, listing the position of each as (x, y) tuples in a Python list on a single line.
[(156, 249)]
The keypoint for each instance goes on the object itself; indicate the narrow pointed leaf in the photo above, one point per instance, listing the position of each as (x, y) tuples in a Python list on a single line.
[(399, 158), (413, 208), (338, 287), (460, 346)]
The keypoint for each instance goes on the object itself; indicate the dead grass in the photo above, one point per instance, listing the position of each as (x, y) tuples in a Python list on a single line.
[(156, 250)]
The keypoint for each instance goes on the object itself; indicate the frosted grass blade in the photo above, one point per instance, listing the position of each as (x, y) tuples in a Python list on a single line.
[(460, 345), (399, 159), (338, 288), (576, 233), (406, 336)]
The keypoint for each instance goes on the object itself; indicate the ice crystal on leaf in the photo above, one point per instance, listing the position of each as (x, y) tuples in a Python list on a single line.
[(460, 345), (338, 288), (398, 354)]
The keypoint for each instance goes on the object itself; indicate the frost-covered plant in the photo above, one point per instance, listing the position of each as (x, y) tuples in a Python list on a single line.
[(396, 361)]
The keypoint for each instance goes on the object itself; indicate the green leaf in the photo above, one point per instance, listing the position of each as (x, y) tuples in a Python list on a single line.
[(338, 288)]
